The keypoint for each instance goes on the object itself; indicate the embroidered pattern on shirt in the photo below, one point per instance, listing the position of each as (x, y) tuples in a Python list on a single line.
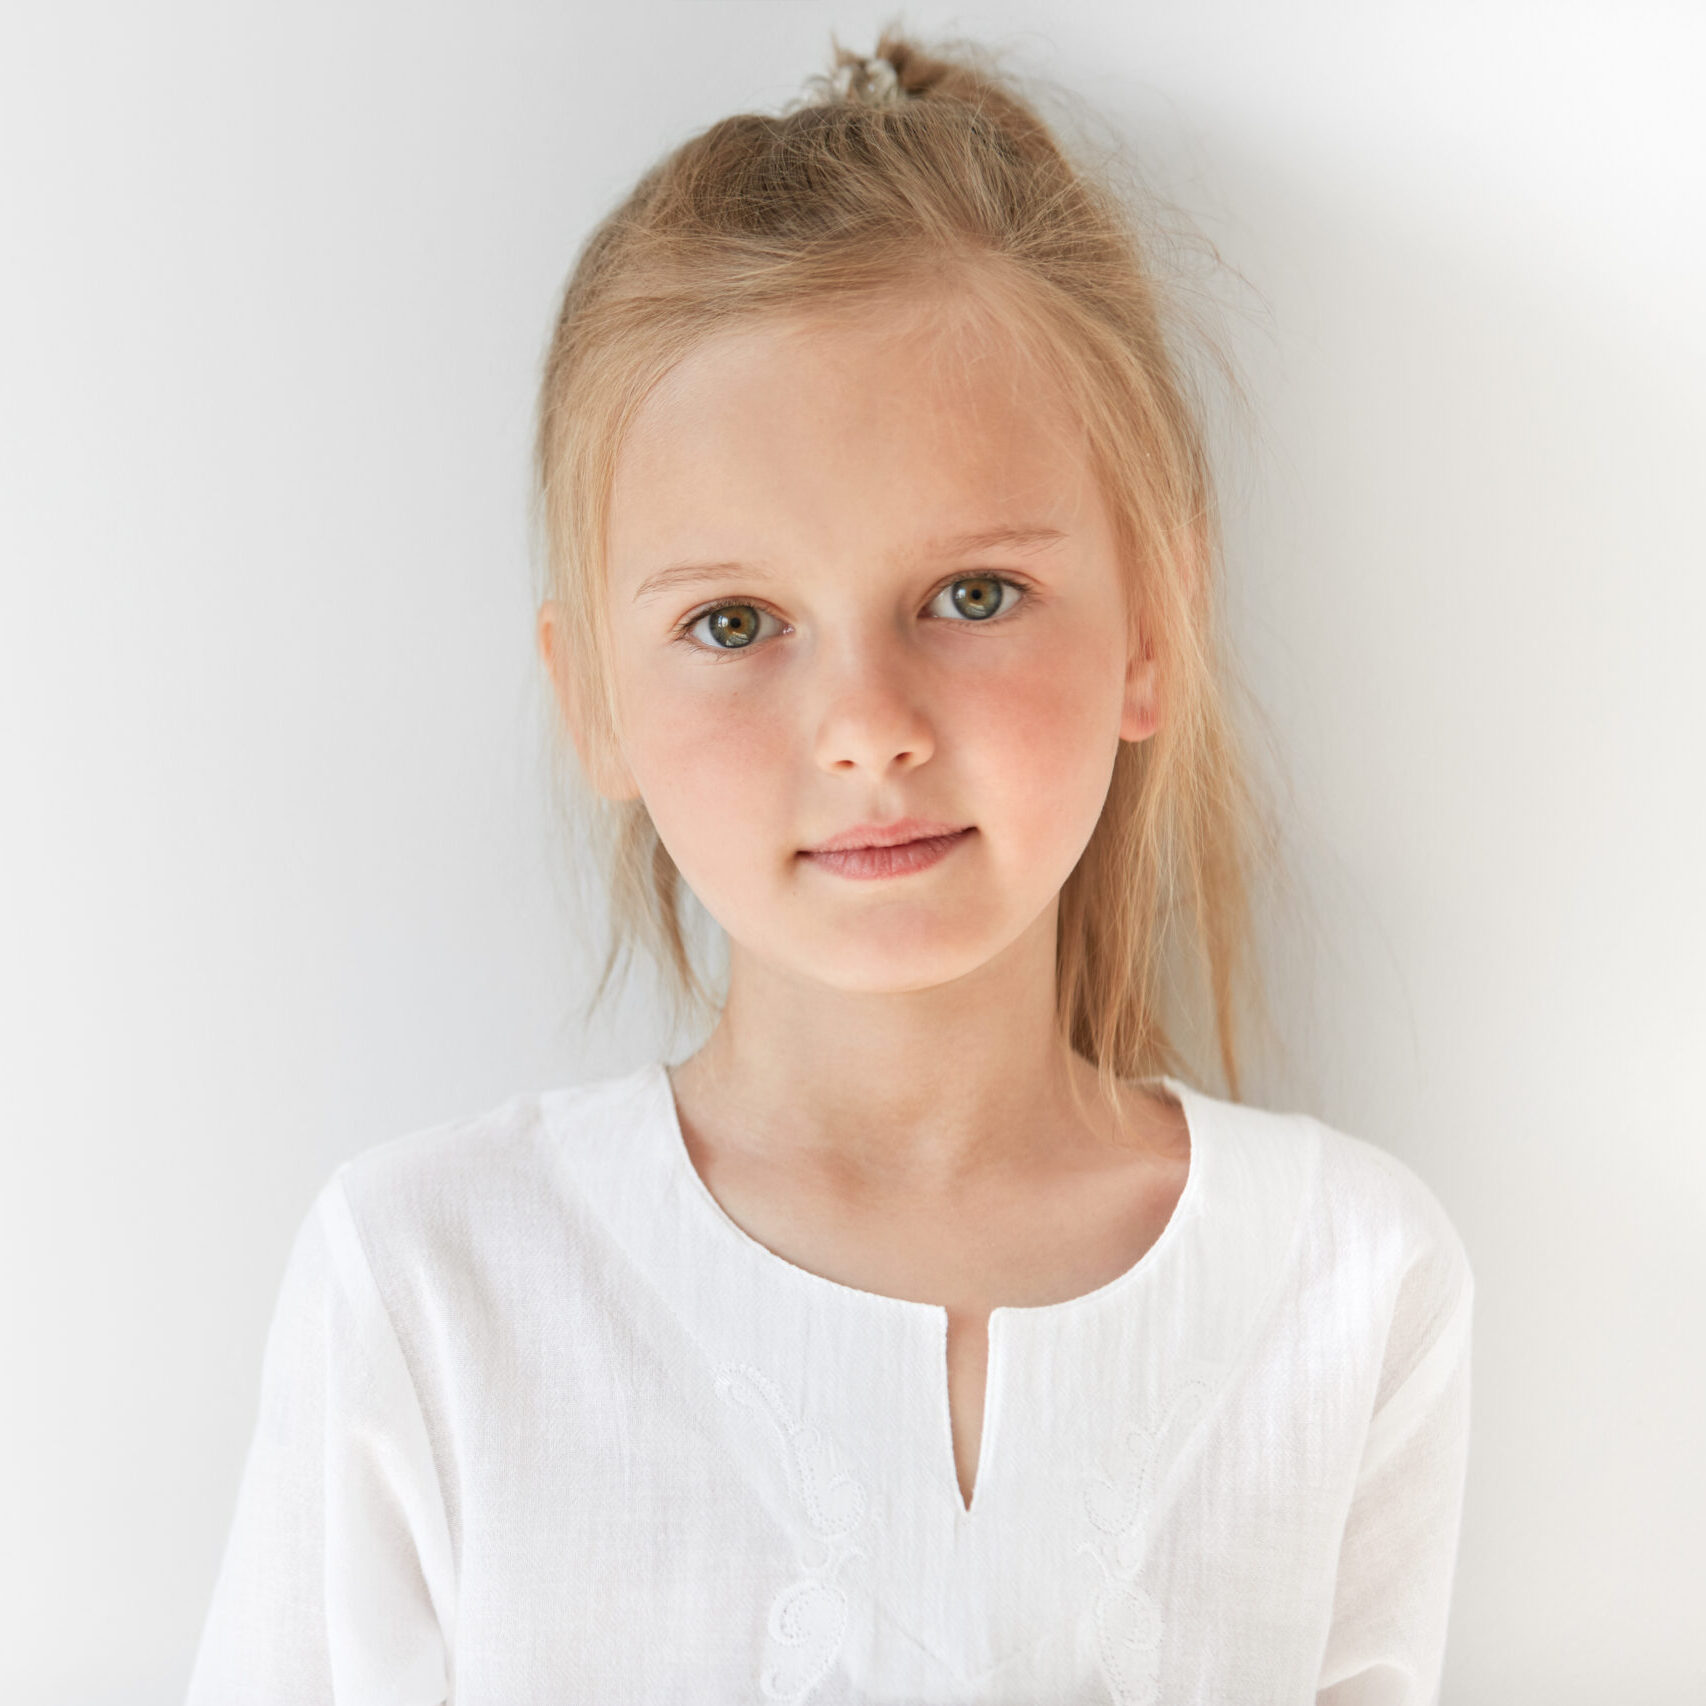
[(1128, 1625), (808, 1618)]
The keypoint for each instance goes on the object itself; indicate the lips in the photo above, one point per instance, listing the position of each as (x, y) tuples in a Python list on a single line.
[(893, 834), (893, 859)]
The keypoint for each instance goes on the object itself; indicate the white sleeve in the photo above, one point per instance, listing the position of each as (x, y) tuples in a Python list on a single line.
[(1398, 1552), (336, 1584)]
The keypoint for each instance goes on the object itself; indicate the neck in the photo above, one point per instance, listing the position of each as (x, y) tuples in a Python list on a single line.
[(919, 1088)]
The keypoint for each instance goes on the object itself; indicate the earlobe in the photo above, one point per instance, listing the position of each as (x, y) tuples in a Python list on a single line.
[(1139, 717), (604, 770)]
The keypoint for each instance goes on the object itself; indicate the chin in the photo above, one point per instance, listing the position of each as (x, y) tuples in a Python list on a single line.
[(893, 961)]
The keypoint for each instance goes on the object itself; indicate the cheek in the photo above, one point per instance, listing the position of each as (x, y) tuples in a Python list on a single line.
[(709, 758), (1042, 736)]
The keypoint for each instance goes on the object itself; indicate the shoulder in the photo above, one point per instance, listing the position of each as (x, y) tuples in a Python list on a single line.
[(1412, 1271), (1372, 1197), (1363, 1189), (1384, 1244), (1363, 1221), (480, 1188), (421, 1184)]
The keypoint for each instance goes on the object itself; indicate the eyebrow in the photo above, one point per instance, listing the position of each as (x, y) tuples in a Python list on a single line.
[(1022, 538)]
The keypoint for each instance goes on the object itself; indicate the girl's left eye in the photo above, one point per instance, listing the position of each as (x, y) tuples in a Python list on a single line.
[(978, 597), (734, 626)]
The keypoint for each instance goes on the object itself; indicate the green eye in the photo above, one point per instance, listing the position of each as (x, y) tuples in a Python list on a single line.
[(731, 626), (977, 597)]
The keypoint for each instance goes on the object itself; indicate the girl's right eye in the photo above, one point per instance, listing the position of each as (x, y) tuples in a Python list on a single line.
[(731, 627)]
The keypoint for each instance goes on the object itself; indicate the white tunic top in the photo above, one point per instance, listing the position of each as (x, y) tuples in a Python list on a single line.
[(541, 1426)]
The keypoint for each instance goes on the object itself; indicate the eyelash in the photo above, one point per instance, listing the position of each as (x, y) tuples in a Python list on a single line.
[(683, 629)]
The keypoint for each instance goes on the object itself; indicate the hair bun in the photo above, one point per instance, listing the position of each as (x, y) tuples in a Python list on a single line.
[(894, 72), (857, 79), (899, 72)]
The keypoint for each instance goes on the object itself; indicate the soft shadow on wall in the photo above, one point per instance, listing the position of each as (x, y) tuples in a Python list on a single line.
[(1463, 579)]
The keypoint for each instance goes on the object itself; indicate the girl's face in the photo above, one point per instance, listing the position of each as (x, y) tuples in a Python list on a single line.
[(922, 617)]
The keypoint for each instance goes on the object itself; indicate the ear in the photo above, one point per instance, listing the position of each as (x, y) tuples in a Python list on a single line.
[(1139, 715), (604, 768)]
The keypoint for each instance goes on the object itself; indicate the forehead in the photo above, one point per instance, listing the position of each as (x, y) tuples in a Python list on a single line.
[(825, 429)]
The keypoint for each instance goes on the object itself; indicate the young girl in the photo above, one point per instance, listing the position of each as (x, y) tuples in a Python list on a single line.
[(925, 1336)]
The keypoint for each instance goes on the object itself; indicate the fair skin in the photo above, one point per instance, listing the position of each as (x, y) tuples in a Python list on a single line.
[(884, 1100)]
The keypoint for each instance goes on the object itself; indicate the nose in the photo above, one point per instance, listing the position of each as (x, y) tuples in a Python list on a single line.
[(871, 713)]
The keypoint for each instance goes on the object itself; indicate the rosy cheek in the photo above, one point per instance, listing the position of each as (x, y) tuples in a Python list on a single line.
[(1050, 712), (701, 748)]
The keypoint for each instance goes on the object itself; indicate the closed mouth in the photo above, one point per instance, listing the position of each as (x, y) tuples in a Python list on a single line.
[(892, 858), (905, 831)]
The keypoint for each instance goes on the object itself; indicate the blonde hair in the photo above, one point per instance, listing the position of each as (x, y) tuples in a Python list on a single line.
[(903, 170)]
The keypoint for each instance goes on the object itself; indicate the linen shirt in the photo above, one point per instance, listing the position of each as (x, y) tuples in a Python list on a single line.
[(540, 1425)]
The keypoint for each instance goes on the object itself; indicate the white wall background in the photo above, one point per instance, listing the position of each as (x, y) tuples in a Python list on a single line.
[(275, 866)]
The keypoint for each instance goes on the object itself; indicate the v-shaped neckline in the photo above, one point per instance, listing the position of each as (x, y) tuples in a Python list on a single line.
[(831, 1403), (934, 1316)]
